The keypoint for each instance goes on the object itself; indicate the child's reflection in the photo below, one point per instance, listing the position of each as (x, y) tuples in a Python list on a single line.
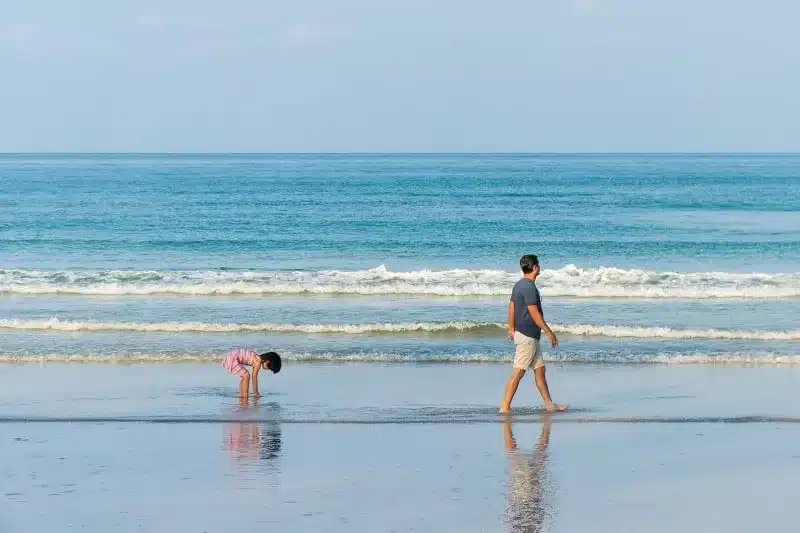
[(527, 507), (254, 441)]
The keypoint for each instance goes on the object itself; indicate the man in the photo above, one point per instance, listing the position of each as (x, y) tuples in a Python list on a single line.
[(525, 326)]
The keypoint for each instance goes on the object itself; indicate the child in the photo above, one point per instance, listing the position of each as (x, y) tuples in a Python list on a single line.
[(239, 358)]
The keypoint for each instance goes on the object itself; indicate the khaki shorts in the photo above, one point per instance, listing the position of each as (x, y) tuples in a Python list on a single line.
[(528, 353)]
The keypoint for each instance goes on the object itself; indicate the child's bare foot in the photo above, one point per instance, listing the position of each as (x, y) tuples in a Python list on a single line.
[(504, 411), (555, 407)]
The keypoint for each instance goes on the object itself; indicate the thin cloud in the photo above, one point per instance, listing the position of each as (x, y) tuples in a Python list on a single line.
[(311, 34), (16, 37), (157, 23), (584, 8)]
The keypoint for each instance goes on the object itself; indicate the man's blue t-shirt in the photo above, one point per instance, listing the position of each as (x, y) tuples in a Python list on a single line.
[(524, 294)]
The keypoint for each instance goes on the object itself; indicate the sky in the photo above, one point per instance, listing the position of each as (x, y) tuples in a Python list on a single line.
[(399, 76)]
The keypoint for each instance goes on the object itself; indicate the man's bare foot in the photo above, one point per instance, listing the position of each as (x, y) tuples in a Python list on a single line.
[(555, 408), (504, 410)]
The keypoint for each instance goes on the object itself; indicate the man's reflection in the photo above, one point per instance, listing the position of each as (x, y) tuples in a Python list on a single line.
[(255, 441), (527, 506)]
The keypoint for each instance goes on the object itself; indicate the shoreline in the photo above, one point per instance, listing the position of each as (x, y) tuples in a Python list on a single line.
[(288, 361), (367, 391)]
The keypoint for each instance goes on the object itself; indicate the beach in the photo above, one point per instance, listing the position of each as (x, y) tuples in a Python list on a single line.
[(405, 448), (383, 281), (519, 267)]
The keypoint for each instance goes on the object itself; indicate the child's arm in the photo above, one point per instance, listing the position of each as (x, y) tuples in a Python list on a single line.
[(256, 369)]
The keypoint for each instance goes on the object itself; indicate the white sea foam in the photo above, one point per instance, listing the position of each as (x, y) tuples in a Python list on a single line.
[(588, 330), (667, 358), (569, 281), (453, 327), (55, 324)]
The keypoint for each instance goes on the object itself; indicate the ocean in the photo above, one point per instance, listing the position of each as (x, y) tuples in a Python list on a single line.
[(672, 282), (407, 258)]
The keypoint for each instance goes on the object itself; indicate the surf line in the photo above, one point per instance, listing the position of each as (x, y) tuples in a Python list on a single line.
[(403, 420)]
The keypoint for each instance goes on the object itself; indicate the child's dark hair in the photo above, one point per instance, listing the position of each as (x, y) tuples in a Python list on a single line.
[(273, 359)]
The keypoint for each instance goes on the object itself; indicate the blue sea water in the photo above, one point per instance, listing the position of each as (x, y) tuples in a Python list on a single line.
[(398, 258)]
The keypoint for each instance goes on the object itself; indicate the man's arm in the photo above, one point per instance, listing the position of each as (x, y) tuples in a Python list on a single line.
[(511, 320), (539, 319)]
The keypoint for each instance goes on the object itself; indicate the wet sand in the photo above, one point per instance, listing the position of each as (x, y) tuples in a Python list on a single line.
[(398, 448)]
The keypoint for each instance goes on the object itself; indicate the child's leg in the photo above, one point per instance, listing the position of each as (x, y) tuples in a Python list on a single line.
[(244, 386)]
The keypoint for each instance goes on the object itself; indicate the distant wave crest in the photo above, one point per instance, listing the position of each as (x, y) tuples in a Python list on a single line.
[(569, 281), (667, 358), (453, 327)]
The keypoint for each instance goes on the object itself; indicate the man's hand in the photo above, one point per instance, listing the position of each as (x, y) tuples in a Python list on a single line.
[(553, 339), (511, 334)]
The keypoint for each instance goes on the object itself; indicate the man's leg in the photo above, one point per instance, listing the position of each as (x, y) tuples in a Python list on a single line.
[(544, 390), (524, 352), (511, 389)]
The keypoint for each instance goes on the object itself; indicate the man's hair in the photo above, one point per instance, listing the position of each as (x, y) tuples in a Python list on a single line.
[(273, 359), (527, 262)]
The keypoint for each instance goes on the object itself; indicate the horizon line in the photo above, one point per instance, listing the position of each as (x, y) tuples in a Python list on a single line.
[(47, 153)]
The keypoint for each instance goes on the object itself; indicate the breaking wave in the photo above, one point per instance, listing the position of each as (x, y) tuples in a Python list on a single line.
[(453, 327), (569, 281)]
